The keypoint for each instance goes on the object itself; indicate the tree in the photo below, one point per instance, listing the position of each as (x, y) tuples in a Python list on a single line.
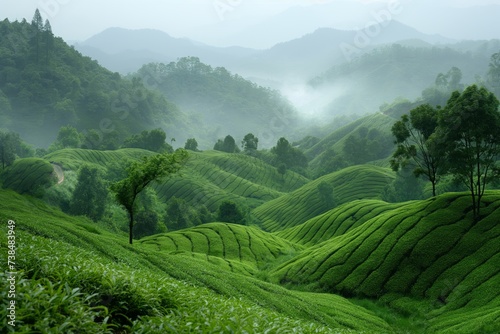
[(37, 27), (230, 213), (287, 154), (493, 77), (325, 192), (153, 140), (469, 129), (89, 196), (282, 170), (249, 142), (9, 141), (68, 136), (416, 142), (140, 175), (191, 144), (227, 145)]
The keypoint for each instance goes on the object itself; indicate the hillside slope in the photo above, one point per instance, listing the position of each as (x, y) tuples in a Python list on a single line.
[(47, 84), (356, 182), (427, 250), (208, 178), (86, 276)]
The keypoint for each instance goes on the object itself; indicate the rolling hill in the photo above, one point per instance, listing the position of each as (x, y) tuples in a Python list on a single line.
[(94, 279), (356, 182), (208, 177), (426, 250)]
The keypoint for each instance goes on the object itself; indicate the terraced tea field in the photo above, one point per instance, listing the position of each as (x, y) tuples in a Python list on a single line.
[(423, 249), (243, 249), (72, 262), (349, 184), (356, 264), (26, 175)]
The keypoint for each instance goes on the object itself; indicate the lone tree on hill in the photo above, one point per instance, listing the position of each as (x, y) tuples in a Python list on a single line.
[(469, 129), (250, 142), (140, 175), (89, 196), (415, 141)]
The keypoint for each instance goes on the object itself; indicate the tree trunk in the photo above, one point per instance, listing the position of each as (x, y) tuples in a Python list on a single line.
[(131, 227)]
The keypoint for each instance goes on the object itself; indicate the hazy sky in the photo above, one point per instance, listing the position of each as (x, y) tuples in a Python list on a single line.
[(209, 21)]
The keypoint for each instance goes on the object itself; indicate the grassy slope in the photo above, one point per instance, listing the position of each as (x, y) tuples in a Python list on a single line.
[(208, 177), (25, 174), (424, 250), (73, 265), (357, 182), (235, 247), (336, 139)]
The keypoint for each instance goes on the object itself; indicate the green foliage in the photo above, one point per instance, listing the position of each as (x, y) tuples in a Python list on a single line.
[(142, 289), (90, 194), (29, 176), (8, 142), (229, 212), (493, 77), (249, 142), (365, 145), (48, 84), (220, 99), (397, 251), (469, 129), (288, 155), (227, 145), (417, 143), (325, 191), (191, 144), (405, 187), (153, 140), (304, 203), (141, 174)]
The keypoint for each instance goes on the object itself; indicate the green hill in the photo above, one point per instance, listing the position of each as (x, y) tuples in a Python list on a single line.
[(242, 249), (47, 84), (29, 176), (367, 139), (357, 182), (208, 177), (211, 177), (73, 275), (222, 103), (429, 251)]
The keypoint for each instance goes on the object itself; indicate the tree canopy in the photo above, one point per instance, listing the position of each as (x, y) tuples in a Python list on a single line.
[(140, 175), (469, 129)]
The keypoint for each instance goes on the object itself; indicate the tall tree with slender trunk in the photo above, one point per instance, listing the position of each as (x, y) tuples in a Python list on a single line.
[(140, 175), (415, 141), (469, 129)]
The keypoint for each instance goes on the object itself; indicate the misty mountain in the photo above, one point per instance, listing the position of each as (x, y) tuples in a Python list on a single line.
[(220, 103), (446, 18), (397, 70), (124, 50)]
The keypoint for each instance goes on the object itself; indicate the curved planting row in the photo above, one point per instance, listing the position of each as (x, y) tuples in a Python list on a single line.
[(27, 174), (212, 177), (257, 171), (72, 158), (357, 182), (336, 222), (238, 244), (428, 249)]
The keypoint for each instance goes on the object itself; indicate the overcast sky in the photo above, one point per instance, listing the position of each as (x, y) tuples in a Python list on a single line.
[(212, 21)]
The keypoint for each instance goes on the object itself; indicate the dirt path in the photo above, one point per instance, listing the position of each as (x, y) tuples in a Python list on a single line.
[(59, 172)]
